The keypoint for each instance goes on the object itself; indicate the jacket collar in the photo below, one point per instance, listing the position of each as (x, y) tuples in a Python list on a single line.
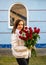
[(17, 31)]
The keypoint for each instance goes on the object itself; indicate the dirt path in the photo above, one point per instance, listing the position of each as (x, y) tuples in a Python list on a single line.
[(7, 51)]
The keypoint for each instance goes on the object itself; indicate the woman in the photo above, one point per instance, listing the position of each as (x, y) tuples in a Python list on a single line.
[(18, 49)]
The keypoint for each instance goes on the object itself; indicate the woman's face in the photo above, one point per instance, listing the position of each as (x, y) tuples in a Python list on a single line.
[(20, 25)]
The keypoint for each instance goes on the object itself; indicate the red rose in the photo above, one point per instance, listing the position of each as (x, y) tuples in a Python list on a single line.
[(38, 30), (26, 28), (25, 31), (30, 29), (26, 38), (27, 35), (23, 38), (30, 36), (35, 29), (20, 32), (20, 37)]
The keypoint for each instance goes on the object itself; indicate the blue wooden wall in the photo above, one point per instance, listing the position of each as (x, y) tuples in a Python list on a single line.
[(36, 15)]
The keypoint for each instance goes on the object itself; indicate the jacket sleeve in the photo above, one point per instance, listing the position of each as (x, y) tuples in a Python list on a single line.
[(14, 43)]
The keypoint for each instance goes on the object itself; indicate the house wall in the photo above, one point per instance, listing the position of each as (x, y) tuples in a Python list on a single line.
[(36, 16)]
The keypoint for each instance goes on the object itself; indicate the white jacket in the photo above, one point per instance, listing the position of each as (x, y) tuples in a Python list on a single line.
[(18, 48)]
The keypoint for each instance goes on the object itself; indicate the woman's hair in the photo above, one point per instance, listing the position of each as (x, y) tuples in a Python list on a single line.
[(16, 24)]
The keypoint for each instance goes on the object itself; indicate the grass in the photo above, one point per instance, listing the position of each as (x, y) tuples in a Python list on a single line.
[(10, 60)]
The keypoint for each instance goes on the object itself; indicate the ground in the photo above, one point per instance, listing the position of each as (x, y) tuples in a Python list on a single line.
[(6, 58)]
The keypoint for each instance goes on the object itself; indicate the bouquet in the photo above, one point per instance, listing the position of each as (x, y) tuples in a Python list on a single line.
[(30, 37)]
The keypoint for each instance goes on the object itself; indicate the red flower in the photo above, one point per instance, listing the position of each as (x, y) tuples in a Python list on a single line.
[(36, 30), (25, 31), (26, 38), (23, 38), (26, 28), (29, 36), (20, 32), (30, 29)]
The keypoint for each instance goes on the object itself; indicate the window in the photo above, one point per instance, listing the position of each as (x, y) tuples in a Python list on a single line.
[(17, 11)]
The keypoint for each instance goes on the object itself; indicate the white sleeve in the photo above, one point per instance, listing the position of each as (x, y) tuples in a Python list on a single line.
[(14, 43), (14, 40)]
